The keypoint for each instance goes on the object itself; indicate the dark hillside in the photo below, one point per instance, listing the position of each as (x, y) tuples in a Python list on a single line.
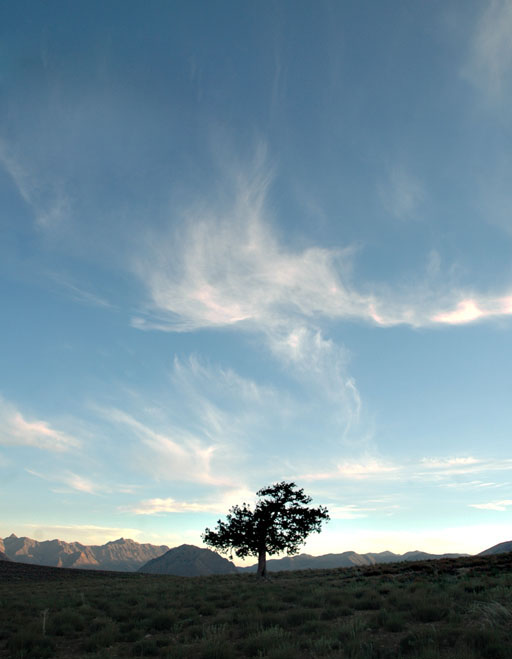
[(189, 561), (443, 609), (501, 548)]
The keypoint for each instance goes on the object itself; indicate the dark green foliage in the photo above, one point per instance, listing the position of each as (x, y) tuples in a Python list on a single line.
[(280, 522), (163, 622), (145, 648), (66, 622), (30, 644)]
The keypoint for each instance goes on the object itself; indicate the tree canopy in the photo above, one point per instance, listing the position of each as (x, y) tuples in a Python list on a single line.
[(280, 522)]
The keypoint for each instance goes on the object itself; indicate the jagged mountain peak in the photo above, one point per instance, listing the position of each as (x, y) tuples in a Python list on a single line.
[(121, 554)]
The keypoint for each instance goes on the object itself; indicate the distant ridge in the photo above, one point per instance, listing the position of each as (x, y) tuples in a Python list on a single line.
[(501, 548), (346, 559), (126, 555), (189, 561), (121, 555)]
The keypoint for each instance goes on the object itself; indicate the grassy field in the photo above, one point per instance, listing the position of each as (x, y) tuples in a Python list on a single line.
[(460, 608)]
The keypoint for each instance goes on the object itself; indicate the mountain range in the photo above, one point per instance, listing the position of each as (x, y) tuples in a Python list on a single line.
[(345, 559), (123, 555), (187, 560)]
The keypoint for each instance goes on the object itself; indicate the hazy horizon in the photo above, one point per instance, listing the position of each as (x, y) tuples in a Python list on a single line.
[(252, 560), (243, 243)]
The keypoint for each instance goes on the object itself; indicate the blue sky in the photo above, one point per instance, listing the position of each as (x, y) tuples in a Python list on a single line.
[(247, 242)]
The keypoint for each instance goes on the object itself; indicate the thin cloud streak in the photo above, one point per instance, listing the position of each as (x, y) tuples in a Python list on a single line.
[(501, 506), (426, 469), (77, 483), (179, 456), (490, 59), (71, 480), (15, 430), (213, 505), (48, 201), (79, 294)]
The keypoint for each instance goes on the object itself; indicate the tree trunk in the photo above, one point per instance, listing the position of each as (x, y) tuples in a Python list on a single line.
[(262, 562)]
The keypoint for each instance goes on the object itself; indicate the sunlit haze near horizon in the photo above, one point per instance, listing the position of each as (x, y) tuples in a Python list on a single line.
[(247, 242)]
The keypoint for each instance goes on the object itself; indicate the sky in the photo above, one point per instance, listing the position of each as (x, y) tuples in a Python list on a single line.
[(246, 242)]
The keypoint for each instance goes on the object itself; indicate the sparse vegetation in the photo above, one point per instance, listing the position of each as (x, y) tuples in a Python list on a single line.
[(448, 609)]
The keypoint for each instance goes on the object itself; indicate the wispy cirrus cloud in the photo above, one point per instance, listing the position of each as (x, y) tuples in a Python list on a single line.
[(212, 425), (79, 294), (426, 469), (365, 468), (47, 198), (324, 365), (489, 67), (177, 454), (227, 268), (402, 193), (70, 480), (74, 482), (442, 467), (224, 266), (16, 430)]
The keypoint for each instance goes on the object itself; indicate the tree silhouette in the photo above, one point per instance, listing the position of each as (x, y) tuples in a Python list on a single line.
[(280, 521)]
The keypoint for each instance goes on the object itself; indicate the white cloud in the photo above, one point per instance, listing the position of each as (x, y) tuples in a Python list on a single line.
[(502, 506), (474, 485), (490, 61), (225, 266), (449, 463), (16, 430), (442, 467), (365, 468), (471, 309), (426, 469), (349, 512), (213, 504)]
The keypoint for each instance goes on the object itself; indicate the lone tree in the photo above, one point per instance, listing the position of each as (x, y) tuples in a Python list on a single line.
[(280, 521)]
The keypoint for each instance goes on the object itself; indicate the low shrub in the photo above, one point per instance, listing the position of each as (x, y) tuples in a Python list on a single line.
[(65, 622), (30, 644)]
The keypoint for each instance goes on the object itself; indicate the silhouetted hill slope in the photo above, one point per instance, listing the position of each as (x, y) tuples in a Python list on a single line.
[(123, 555), (500, 548), (189, 561), (346, 559)]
